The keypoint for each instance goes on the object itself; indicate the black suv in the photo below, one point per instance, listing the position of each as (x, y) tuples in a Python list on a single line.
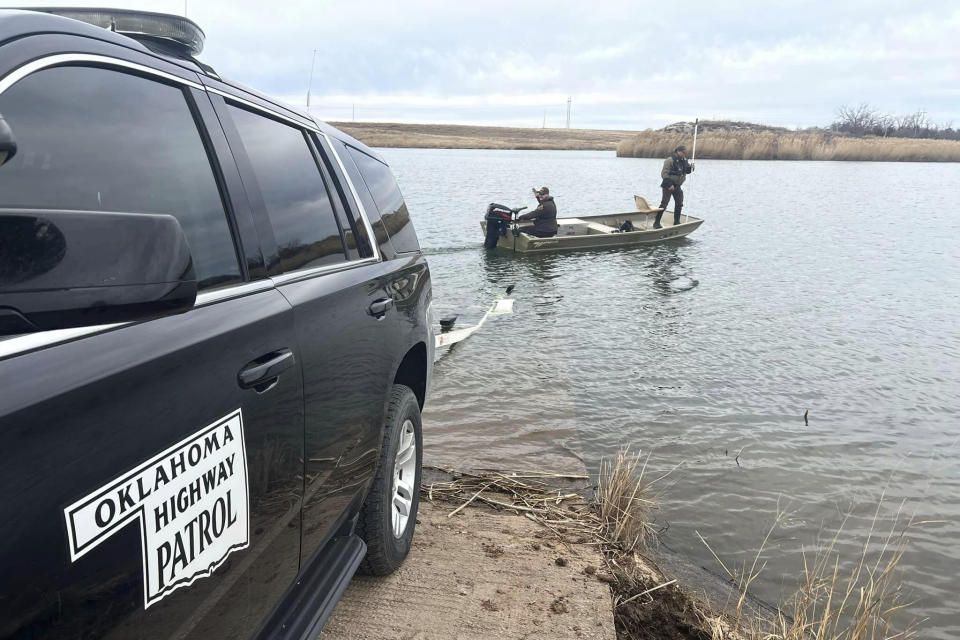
[(214, 344)]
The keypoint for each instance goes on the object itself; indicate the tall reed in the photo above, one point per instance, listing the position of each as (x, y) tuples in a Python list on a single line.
[(625, 500), (767, 145), (865, 602)]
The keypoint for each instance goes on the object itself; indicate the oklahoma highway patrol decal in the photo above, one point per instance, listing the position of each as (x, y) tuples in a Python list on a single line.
[(192, 504)]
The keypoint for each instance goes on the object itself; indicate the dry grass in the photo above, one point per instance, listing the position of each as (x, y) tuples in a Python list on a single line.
[(625, 501), (618, 515), (454, 136), (767, 145), (865, 602), (534, 495)]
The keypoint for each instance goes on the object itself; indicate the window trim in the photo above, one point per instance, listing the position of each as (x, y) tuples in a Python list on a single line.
[(62, 59), (18, 345)]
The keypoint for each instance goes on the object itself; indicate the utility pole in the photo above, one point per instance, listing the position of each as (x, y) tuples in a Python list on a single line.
[(569, 100), (544, 118), (313, 61)]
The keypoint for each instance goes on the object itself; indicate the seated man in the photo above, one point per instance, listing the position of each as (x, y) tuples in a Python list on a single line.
[(544, 216)]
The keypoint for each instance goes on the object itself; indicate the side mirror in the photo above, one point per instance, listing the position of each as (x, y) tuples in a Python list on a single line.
[(62, 269), (8, 144)]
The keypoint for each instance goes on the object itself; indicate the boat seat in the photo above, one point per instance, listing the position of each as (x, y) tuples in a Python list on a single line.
[(571, 227), (601, 228)]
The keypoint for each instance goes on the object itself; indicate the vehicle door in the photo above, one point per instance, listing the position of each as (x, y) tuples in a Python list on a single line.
[(344, 314), (149, 471)]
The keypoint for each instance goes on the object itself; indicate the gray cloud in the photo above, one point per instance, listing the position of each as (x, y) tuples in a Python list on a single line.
[(626, 64)]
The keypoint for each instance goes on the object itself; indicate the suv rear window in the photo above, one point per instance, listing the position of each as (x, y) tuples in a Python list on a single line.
[(101, 140), (293, 191), (393, 210)]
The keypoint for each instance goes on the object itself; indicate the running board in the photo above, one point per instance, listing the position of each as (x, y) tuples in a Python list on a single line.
[(315, 595)]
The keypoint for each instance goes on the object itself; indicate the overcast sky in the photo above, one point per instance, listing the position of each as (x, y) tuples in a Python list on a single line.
[(628, 65)]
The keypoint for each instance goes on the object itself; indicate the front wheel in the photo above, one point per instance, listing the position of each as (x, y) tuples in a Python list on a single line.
[(389, 514)]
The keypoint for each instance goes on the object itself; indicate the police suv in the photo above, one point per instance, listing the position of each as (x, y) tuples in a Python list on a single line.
[(214, 344)]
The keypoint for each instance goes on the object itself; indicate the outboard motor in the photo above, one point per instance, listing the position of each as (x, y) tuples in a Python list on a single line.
[(498, 219)]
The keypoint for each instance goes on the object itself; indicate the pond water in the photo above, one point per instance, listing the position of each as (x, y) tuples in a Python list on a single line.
[(832, 288)]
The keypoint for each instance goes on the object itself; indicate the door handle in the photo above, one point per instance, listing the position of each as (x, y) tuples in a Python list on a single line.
[(378, 308), (265, 369)]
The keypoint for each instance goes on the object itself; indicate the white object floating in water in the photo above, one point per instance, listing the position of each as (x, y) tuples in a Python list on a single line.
[(501, 307)]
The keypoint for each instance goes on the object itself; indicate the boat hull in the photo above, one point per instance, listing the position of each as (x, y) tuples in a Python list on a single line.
[(596, 232)]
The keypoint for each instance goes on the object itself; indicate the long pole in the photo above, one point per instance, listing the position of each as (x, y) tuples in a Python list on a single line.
[(696, 124), (313, 61), (693, 157)]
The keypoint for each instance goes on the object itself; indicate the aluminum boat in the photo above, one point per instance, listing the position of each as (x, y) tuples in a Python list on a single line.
[(591, 232)]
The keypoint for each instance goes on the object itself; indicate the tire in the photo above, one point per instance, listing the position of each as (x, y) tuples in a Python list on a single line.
[(381, 525)]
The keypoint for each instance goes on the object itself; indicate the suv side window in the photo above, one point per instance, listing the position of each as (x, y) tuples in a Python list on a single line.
[(293, 191), (373, 214), (354, 231), (93, 139), (393, 210)]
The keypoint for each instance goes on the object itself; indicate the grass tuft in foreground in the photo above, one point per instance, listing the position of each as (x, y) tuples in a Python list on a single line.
[(624, 501), (865, 602)]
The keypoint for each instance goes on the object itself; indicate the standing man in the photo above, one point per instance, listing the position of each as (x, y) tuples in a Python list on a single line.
[(674, 172), (544, 216)]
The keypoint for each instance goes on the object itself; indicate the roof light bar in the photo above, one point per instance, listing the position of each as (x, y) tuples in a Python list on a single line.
[(176, 29)]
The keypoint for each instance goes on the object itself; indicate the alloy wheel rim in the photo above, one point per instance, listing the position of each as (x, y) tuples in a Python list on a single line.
[(404, 476)]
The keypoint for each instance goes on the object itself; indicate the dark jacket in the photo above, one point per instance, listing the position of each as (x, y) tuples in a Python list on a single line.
[(544, 216), (675, 170)]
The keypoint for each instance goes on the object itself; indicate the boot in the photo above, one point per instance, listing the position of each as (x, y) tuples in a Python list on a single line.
[(656, 221), (676, 218)]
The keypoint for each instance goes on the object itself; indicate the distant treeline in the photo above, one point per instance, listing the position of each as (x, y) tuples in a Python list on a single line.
[(864, 120)]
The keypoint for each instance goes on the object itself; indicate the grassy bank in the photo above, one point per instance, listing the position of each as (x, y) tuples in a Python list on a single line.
[(787, 145), (454, 136)]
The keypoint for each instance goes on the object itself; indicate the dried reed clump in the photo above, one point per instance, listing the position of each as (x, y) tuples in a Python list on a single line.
[(768, 145), (863, 603), (618, 517), (625, 500), (534, 495)]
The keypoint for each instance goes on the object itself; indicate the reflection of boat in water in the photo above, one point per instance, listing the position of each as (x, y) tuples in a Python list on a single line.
[(591, 232)]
